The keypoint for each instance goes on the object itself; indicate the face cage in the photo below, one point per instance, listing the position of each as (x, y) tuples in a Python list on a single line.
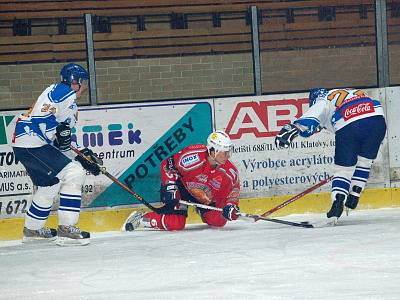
[(80, 82)]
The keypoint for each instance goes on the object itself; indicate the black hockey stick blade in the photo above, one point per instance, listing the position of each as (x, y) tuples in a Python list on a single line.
[(301, 224)]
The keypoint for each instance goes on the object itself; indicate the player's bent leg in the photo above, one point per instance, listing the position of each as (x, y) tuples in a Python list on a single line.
[(213, 218), (72, 178), (358, 181), (38, 213), (340, 189), (169, 222)]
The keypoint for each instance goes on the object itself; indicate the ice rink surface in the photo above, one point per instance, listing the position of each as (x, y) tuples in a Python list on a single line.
[(358, 259)]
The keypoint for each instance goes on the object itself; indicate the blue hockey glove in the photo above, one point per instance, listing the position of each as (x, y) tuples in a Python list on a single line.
[(63, 137), (230, 212), (170, 195), (285, 137)]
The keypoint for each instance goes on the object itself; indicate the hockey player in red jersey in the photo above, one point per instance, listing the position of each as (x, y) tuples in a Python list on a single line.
[(201, 174)]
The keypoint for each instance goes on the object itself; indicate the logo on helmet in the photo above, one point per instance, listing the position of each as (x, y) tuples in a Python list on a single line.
[(219, 141)]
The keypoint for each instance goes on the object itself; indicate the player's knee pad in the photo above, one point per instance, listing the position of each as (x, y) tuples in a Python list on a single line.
[(72, 177), (364, 162), (213, 218), (46, 193), (174, 222), (341, 181)]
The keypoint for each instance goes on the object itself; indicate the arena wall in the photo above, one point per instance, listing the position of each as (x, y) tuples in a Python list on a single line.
[(133, 139), (201, 76)]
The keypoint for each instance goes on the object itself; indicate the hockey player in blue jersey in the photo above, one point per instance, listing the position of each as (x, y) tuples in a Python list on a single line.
[(359, 126), (41, 142)]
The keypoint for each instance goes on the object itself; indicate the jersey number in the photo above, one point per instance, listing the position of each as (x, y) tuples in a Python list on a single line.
[(47, 108), (341, 95)]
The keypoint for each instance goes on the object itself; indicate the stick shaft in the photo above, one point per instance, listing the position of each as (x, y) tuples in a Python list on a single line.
[(119, 183), (245, 215), (297, 197)]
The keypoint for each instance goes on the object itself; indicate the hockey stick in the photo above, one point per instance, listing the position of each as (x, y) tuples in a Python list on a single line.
[(250, 216), (297, 197), (120, 184)]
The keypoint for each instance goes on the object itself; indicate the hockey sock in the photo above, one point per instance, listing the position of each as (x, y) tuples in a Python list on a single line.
[(39, 210), (341, 181), (360, 176)]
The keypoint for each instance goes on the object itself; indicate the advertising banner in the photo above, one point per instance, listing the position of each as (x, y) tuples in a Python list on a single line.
[(132, 140), (253, 122)]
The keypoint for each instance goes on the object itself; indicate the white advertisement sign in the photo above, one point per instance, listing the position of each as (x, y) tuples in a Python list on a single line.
[(253, 122)]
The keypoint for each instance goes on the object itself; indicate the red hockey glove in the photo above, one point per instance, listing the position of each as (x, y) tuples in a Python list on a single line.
[(230, 212)]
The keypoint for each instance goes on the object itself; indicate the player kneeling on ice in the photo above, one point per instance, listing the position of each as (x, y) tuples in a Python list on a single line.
[(359, 126), (41, 142), (200, 174)]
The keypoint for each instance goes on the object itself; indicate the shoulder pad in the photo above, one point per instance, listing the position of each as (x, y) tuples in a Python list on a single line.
[(191, 158), (196, 147), (60, 92)]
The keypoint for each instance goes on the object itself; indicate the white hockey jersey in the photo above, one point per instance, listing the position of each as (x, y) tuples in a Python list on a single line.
[(37, 127), (337, 109)]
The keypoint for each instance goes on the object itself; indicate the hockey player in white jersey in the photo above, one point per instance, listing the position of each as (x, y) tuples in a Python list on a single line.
[(41, 142), (359, 126)]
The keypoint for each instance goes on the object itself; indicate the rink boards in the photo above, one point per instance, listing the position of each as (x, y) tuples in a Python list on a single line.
[(133, 139)]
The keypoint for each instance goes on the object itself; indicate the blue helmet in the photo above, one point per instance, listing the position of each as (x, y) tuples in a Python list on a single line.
[(317, 94), (72, 72)]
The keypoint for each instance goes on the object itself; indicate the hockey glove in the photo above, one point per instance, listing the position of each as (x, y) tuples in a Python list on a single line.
[(286, 136), (63, 137), (230, 212), (92, 156), (89, 165), (170, 195)]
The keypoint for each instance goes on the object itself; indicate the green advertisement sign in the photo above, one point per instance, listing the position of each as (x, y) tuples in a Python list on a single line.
[(143, 176)]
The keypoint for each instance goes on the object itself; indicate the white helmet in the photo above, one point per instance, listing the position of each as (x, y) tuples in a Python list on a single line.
[(219, 141)]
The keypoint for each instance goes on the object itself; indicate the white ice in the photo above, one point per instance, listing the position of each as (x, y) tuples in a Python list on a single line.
[(358, 259)]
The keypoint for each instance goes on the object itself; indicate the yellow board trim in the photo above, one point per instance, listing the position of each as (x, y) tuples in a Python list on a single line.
[(112, 219)]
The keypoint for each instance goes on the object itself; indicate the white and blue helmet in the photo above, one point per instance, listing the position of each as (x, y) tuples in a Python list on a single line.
[(71, 72), (317, 94)]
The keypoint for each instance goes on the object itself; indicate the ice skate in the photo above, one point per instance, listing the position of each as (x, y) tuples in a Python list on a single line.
[(352, 199), (44, 234), (133, 221), (72, 235), (351, 203), (337, 209)]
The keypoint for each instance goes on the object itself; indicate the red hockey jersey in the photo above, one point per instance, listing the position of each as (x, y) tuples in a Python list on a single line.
[(210, 185)]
